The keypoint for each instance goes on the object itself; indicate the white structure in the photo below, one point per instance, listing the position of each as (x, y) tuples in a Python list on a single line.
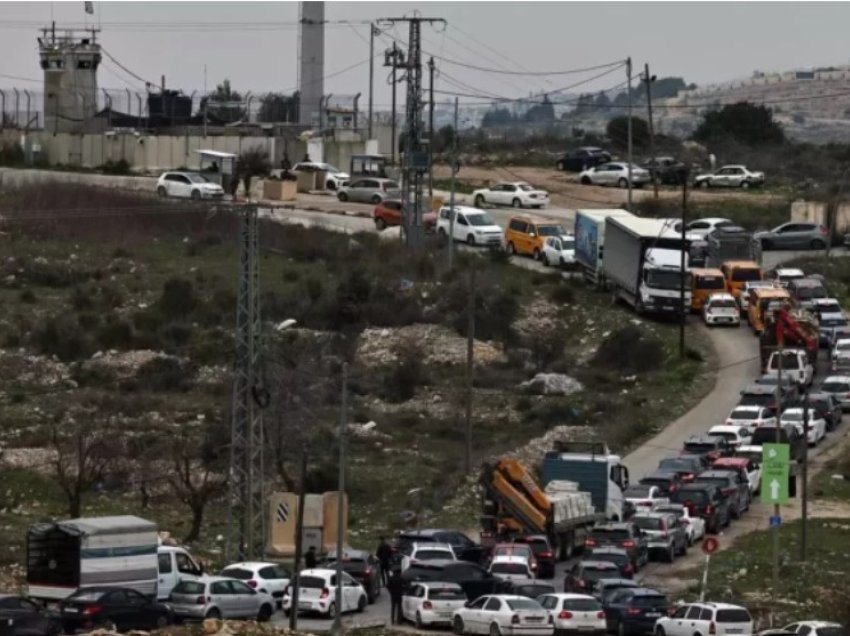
[(311, 62), (70, 60)]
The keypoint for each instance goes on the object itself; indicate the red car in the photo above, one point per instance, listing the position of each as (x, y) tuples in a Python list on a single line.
[(388, 214)]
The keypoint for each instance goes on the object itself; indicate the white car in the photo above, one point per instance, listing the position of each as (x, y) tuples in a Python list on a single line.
[(559, 251), (694, 525), (472, 226), (575, 613), (431, 603), (785, 275), (317, 593), (817, 425), (717, 619), (262, 576), (428, 552), (795, 366), (841, 347), (839, 387), (187, 185), (826, 306), (334, 177), (499, 614), (614, 173), (815, 628), (744, 297), (721, 309), (730, 177), (219, 597), (734, 435), (511, 568), (751, 416), (517, 194), (645, 498), (704, 227)]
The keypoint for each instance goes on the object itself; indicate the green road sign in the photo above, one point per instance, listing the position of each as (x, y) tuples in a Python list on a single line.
[(775, 464)]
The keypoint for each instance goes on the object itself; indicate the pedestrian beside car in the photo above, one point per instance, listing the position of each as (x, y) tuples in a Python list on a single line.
[(395, 586), (385, 556), (310, 559)]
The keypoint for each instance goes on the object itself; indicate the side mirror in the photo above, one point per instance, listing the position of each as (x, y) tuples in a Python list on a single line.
[(533, 234)]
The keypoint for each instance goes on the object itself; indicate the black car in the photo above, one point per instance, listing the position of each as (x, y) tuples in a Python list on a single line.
[(706, 501), (529, 588), (788, 434), (666, 170), (475, 580), (605, 587), (24, 618), (730, 484), (667, 480), (464, 548), (621, 534), (827, 407), (543, 552), (709, 446), (618, 556), (582, 577), (116, 609), (364, 567), (634, 610), (582, 158), (686, 466)]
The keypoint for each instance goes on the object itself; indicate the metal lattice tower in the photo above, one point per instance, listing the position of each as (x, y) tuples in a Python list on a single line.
[(246, 519)]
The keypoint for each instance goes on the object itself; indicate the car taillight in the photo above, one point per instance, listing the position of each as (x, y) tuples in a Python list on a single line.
[(580, 583), (427, 605), (545, 555), (200, 600), (709, 509), (633, 611), (628, 569), (565, 614), (515, 619), (325, 593), (367, 572), (688, 477), (589, 543), (600, 614), (712, 628), (92, 610), (628, 544), (252, 584), (823, 230), (728, 491), (671, 611)]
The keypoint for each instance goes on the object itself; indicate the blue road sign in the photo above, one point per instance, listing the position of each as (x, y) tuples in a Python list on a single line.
[(775, 521)]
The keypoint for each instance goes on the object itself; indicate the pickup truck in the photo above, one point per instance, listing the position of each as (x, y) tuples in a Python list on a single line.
[(795, 365)]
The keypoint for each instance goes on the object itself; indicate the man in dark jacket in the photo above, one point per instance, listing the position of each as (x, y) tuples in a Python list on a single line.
[(385, 556), (310, 560), (395, 586)]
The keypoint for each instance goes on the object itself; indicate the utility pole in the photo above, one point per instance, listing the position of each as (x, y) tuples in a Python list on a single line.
[(780, 341), (299, 540), (246, 519), (455, 170), (343, 422), (430, 133), (629, 127), (415, 162), (371, 75), (395, 84), (470, 342), (649, 79), (804, 517), (684, 309)]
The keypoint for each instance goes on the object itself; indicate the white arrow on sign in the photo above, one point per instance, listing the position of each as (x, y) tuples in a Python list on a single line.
[(774, 489), (771, 453)]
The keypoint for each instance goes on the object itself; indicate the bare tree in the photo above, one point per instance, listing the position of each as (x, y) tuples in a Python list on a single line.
[(85, 453), (199, 472)]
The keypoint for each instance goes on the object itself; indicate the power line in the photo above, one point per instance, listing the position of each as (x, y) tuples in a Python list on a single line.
[(125, 69)]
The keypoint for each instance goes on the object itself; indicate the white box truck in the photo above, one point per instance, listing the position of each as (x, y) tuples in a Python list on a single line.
[(121, 551), (590, 242), (643, 264)]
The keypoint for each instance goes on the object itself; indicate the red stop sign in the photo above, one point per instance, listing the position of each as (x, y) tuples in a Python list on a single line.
[(710, 545)]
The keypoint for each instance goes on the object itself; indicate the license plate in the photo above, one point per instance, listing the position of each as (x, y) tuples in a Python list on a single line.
[(304, 605), (71, 610), (653, 614), (734, 631)]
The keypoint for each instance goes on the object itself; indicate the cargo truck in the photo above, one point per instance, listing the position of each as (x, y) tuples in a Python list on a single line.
[(583, 485), (643, 264), (590, 241), (731, 243)]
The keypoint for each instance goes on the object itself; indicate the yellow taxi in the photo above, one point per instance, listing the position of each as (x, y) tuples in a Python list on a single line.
[(762, 300), (739, 272), (526, 234), (705, 282)]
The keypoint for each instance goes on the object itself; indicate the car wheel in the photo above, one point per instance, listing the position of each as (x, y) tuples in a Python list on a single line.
[(705, 184), (380, 224), (163, 620), (494, 630), (287, 612), (442, 234), (621, 629), (457, 626), (376, 199), (659, 631), (560, 166), (418, 621), (470, 240), (511, 249), (585, 181), (196, 195), (766, 244), (479, 201), (361, 604), (265, 613), (331, 184), (214, 614), (332, 610), (342, 196), (545, 259), (161, 191), (623, 183), (817, 244), (516, 203), (745, 185), (536, 254)]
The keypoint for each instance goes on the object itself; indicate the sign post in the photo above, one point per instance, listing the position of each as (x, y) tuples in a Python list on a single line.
[(709, 546), (775, 470)]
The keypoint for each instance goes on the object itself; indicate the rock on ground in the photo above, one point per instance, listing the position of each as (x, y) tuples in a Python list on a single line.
[(440, 345), (552, 384)]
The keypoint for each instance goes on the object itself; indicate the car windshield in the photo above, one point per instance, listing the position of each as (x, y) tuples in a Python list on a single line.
[(725, 303), (735, 616), (832, 631), (327, 167), (757, 399), (743, 414), (649, 600), (431, 555), (600, 571), (723, 435), (709, 282), (698, 448), (744, 274), (390, 185), (196, 178), (648, 523), (551, 230), (237, 573), (313, 582), (613, 557), (807, 293), (568, 244), (609, 534), (843, 345), (831, 308), (792, 416), (673, 463), (509, 568), (697, 497), (479, 219), (515, 550), (582, 605), (667, 279), (93, 595), (789, 362), (722, 482), (446, 594), (523, 604), (836, 387), (525, 187), (637, 492), (833, 322), (192, 587)]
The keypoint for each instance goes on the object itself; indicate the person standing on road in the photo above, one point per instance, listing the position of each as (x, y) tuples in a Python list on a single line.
[(395, 586), (385, 555), (310, 560)]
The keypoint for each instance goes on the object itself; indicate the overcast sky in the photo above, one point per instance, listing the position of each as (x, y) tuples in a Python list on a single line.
[(701, 42)]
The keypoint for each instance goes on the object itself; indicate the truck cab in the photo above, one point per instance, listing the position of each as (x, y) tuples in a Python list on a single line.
[(175, 565), (706, 281), (661, 280)]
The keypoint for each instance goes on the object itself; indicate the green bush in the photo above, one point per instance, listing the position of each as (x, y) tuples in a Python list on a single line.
[(177, 299), (63, 338), (407, 374), (629, 350), (163, 374), (115, 334), (27, 296), (116, 168)]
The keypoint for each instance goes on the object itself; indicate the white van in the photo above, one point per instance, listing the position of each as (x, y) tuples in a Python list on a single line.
[(471, 226)]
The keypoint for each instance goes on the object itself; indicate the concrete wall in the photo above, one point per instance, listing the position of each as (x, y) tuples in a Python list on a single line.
[(815, 212)]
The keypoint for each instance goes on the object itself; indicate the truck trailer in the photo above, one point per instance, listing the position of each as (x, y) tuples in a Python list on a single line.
[(590, 241), (731, 243), (643, 264)]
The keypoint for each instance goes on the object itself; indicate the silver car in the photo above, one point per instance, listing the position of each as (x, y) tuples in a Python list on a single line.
[(789, 236), (839, 387), (219, 597), (370, 190), (614, 173), (730, 177), (665, 533)]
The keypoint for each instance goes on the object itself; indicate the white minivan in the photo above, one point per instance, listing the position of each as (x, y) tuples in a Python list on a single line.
[(718, 619), (472, 226), (175, 565)]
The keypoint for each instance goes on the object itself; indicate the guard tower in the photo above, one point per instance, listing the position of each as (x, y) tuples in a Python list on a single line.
[(69, 59)]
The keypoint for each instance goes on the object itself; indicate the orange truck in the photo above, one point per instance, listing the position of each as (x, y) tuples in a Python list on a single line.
[(761, 302), (705, 283), (739, 272)]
